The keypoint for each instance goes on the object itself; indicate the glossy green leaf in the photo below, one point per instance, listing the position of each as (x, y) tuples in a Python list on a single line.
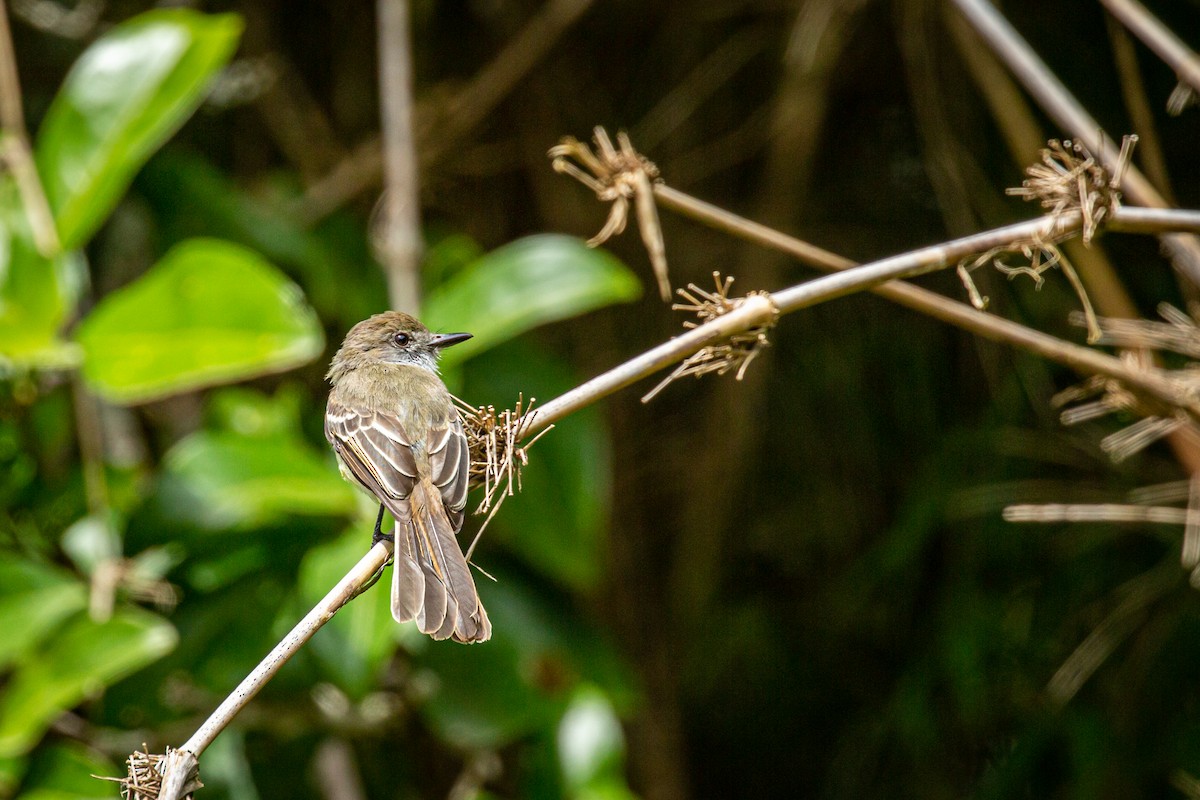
[(244, 481), (591, 744), (522, 285), (37, 294), (78, 662), (34, 599), (209, 312), (127, 93)]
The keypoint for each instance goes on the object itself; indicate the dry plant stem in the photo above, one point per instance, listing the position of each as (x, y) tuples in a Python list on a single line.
[(363, 168), (1082, 359), (15, 151), (757, 310), (337, 597), (1137, 595), (1141, 112), (91, 445), (1032, 72), (401, 250), (1159, 38), (1129, 219)]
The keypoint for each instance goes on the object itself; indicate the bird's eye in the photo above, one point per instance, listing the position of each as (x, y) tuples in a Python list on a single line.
[(401, 338)]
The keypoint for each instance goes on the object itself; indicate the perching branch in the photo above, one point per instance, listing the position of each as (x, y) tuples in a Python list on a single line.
[(877, 276), (175, 770), (15, 152)]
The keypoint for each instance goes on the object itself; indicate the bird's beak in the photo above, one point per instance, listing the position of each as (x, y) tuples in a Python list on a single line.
[(440, 340)]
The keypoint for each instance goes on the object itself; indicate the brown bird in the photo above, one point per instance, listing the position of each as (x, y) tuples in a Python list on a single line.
[(397, 434)]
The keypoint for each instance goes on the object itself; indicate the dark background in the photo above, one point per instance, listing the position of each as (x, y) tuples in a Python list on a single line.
[(804, 574)]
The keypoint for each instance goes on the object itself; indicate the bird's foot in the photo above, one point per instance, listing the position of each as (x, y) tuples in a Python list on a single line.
[(378, 535)]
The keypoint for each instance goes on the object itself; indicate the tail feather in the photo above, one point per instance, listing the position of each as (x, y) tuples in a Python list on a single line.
[(439, 554), (408, 582)]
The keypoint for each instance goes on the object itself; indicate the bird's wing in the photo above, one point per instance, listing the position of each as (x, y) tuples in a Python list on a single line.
[(375, 449), (431, 580)]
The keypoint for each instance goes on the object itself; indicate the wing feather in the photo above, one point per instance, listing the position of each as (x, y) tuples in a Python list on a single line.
[(431, 580)]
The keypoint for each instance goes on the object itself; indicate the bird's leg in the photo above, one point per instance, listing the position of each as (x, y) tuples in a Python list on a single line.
[(376, 537), (379, 535)]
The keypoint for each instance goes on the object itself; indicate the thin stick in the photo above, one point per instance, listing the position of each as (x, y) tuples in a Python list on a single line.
[(401, 235), (338, 596), (1061, 105), (464, 111), (756, 310), (1159, 38), (15, 150), (1137, 102)]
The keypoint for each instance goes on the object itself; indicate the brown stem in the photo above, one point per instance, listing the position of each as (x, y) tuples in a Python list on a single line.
[(1061, 105), (400, 237), (1159, 38)]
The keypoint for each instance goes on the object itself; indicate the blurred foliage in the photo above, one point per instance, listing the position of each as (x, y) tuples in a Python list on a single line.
[(795, 585)]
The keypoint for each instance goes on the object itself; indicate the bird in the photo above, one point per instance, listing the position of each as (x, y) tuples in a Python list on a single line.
[(398, 436)]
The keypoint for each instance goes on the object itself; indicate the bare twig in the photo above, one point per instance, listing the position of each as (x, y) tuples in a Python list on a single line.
[(346, 589), (1136, 598), (400, 234), (15, 151), (1159, 38), (758, 310), (1141, 113), (364, 167), (1031, 71)]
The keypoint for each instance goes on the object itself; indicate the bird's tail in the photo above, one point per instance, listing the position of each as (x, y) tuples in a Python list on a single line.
[(431, 581)]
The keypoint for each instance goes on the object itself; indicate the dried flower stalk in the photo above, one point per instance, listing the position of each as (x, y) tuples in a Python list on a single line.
[(1068, 179), (1071, 179), (497, 455), (616, 175), (145, 772)]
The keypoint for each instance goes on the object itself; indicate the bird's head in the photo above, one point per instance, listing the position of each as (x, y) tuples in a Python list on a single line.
[(392, 337)]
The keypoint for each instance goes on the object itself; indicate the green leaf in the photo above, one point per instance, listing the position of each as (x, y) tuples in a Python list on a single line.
[(591, 745), (245, 481), (34, 599), (209, 312), (81, 659), (121, 100), (522, 285), (37, 294)]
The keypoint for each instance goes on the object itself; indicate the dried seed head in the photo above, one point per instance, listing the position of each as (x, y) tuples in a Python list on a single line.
[(734, 353), (1069, 178), (497, 454), (144, 777), (617, 175)]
